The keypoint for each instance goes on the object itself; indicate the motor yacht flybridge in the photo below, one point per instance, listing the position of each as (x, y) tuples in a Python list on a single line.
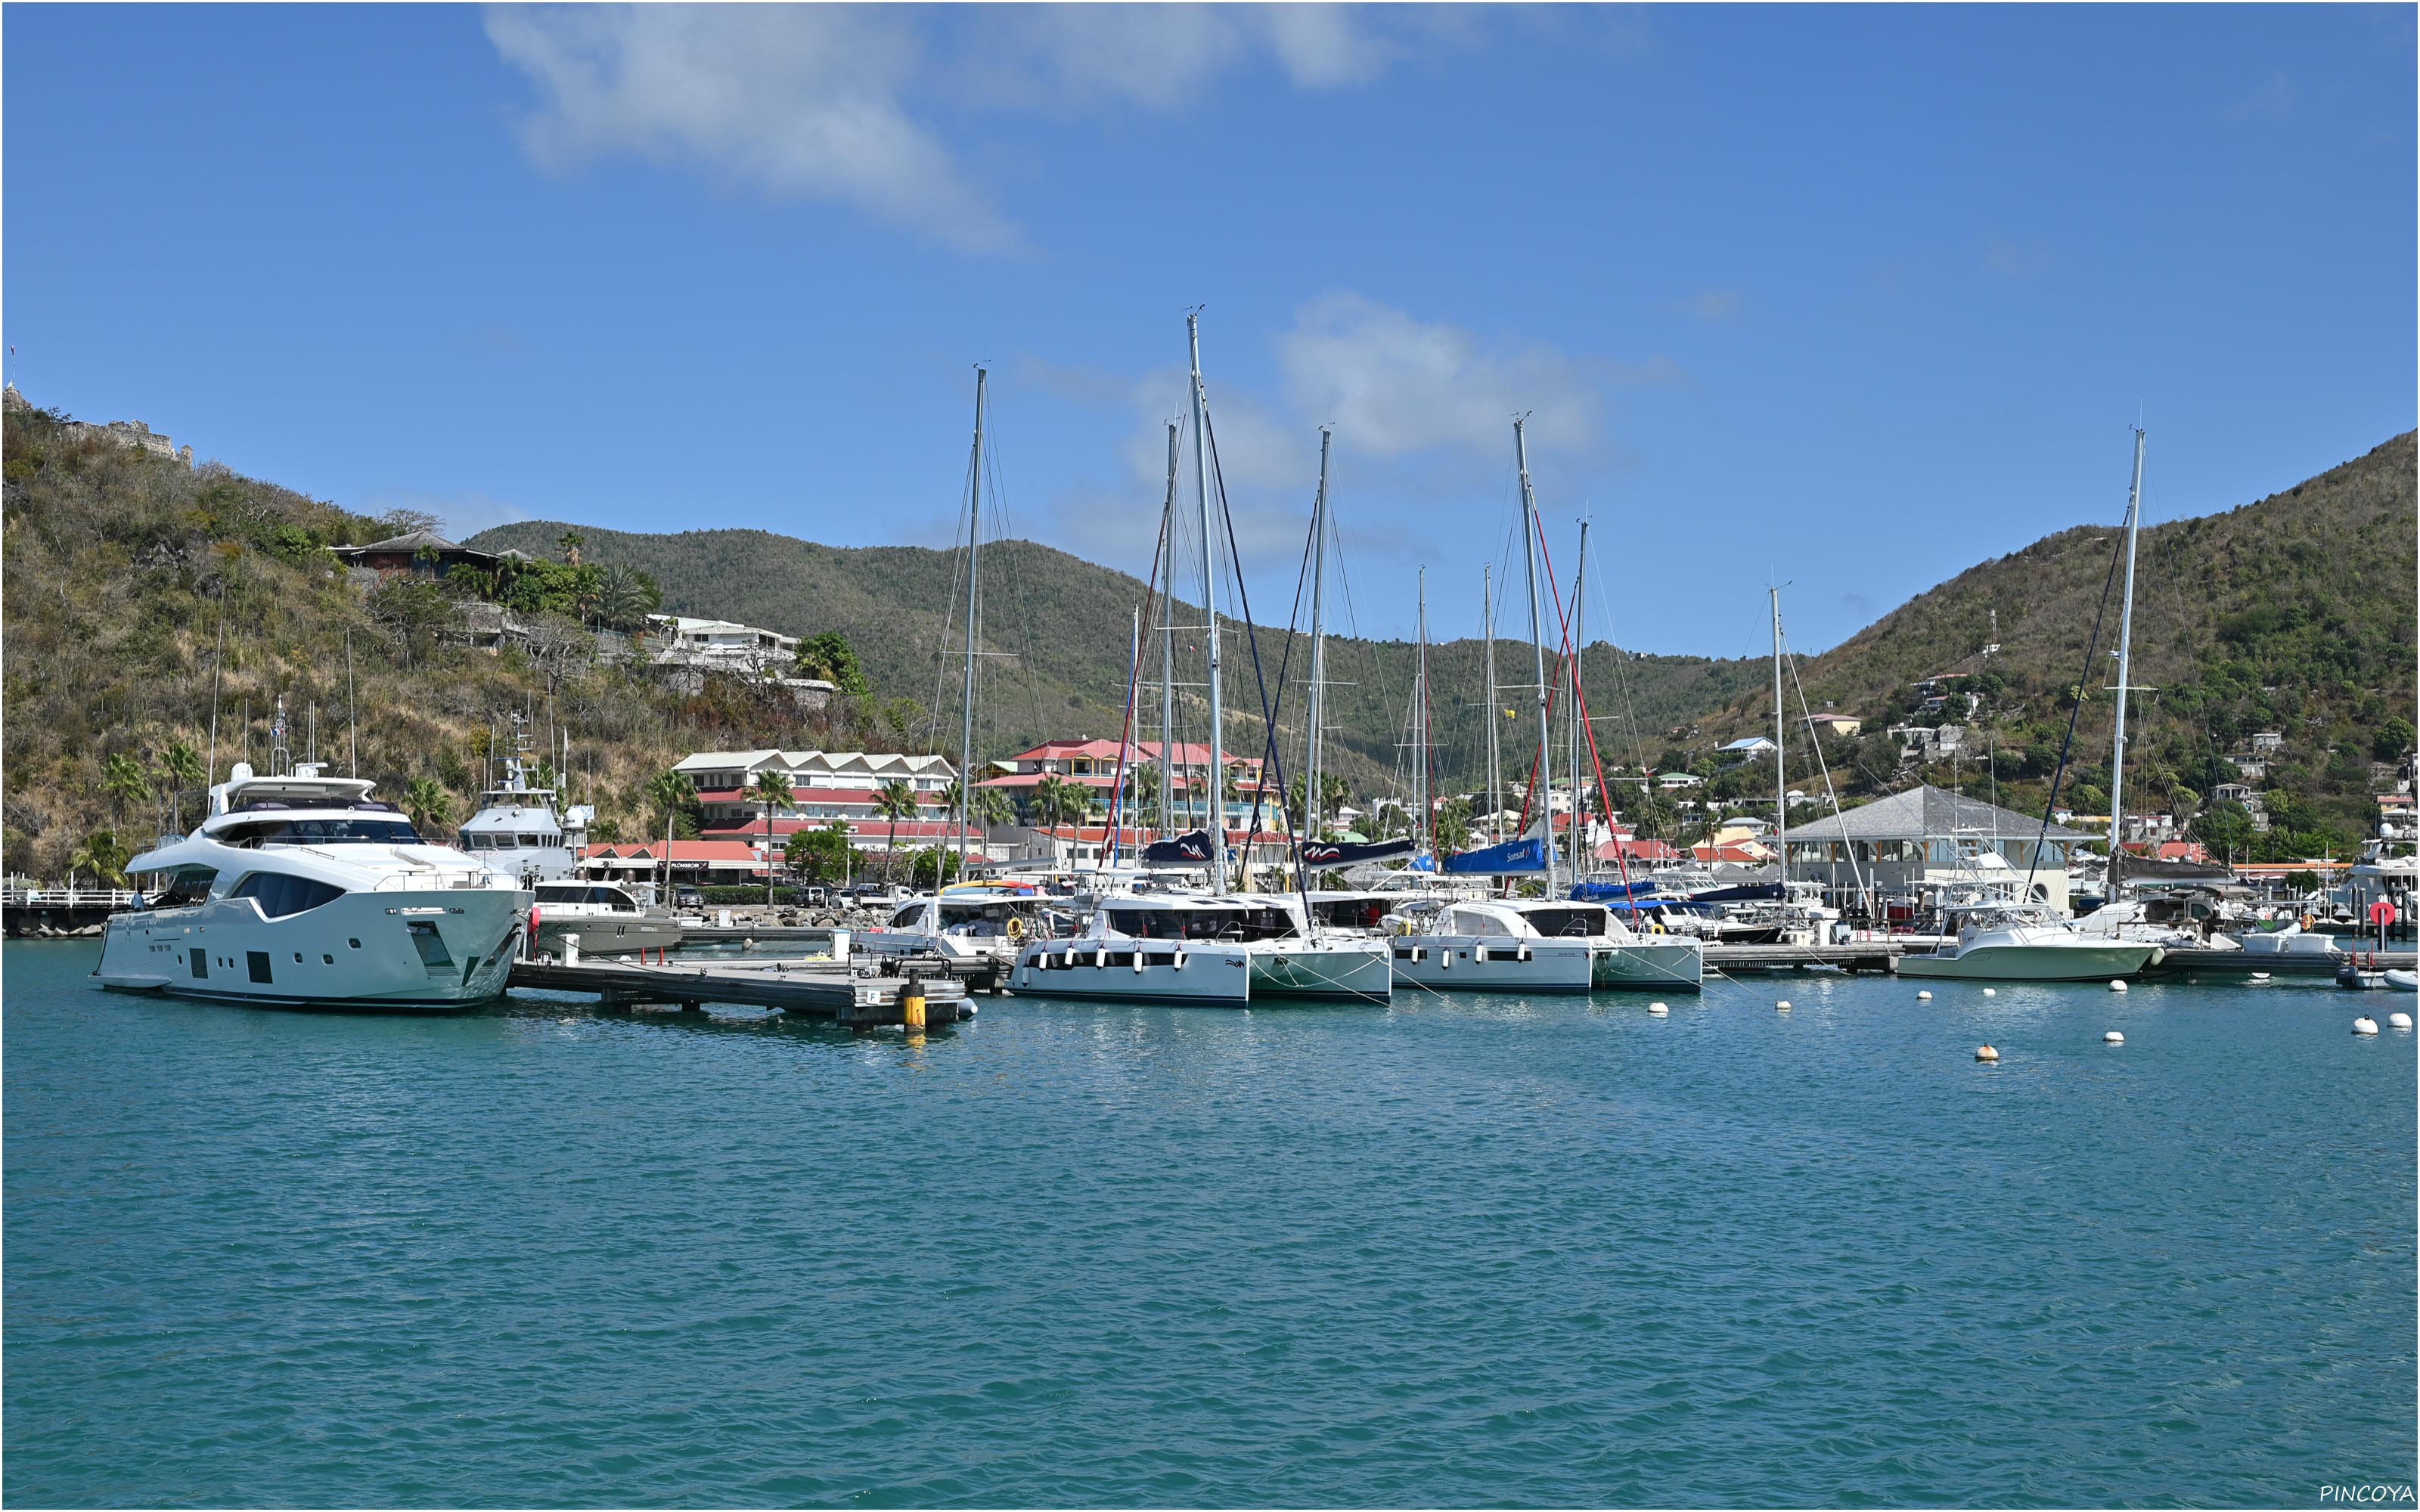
[(299, 889)]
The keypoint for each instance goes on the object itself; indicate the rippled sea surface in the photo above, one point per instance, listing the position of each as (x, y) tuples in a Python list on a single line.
[(1463, 1251)]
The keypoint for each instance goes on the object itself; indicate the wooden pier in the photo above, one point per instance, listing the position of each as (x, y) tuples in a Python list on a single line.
[(1857, 955), (819, 988), (2238, 964)]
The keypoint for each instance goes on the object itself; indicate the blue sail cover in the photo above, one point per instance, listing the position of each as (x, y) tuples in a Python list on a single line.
[(1513, 857)]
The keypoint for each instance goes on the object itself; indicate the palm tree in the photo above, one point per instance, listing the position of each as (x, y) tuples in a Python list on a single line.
[(430, 805), (672, 791), (992, 807), (623, 598), (894, 800), (771, 790), (571, 540), (124, 781), (182, 767), (101, 854), (1049, 801)]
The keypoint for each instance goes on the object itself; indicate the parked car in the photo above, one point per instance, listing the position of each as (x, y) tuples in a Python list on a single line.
[(688, 898)]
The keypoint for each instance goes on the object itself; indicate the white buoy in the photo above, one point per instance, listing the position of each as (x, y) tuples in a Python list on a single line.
[(2364, 1025), (1782, 1007), (1990, 991), (1658, 1010), (2398, 1021), (2260, 975), (2113, 1037), (1924, 997), (2116, 986), (1986, 1053)]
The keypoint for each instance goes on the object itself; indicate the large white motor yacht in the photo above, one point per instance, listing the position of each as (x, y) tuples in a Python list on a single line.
[(302, 889), (2019, 942), (521, 832)]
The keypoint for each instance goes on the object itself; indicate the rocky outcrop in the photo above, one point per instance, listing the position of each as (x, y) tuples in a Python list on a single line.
[(132, 433)]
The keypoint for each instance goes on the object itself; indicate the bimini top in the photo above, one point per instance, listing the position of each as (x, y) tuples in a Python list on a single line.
[(302, 787)]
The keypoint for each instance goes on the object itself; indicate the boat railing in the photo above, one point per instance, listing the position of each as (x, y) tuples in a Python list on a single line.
[(454, 879)]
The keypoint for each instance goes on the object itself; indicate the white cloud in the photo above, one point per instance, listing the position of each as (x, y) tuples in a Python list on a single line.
[(816, 101), (791, 99), (1392, 384)]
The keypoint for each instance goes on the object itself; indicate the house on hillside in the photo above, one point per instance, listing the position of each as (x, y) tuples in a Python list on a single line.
[(1928, 837), (1747, 750), (677, 640), (424, 554), (1840, 725)]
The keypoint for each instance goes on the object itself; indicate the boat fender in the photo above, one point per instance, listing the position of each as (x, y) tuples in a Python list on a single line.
[(1521, 953), (1179, 963), (1420, 953), (1479, 952)]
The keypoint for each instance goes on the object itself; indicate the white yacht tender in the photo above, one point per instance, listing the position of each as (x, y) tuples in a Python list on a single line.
[(302, 889), (970, 921), (607, 920)]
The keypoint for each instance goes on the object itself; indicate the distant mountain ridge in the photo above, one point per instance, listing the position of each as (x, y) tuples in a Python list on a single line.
[(2296, 608)]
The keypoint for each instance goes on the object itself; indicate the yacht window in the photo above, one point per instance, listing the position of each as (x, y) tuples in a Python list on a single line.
[(281, 896), (502, 843), (563, 892), (474, 840), (185, 885), (532, 842), (906, 916), (1567, 922), (610, 898), (321, 832)]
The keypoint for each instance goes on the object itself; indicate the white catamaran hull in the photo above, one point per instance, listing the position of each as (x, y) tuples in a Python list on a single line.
[(1136, 971), (1665, 965), (446, 947), (1353, 971), (1478, 963)]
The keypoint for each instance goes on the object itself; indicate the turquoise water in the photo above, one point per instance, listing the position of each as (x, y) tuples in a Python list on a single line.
[(1465, 1251)]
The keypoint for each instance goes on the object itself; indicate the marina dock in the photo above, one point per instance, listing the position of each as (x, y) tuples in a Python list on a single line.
[(1858, 955), (814, 987)]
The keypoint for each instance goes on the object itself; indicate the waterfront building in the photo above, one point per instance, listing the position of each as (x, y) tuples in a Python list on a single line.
[(1929, 837)]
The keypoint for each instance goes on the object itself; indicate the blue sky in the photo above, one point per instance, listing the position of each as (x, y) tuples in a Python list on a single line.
[(1851, 298)]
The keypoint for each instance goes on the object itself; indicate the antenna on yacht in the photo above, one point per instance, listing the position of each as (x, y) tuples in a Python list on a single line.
[(280, 758)]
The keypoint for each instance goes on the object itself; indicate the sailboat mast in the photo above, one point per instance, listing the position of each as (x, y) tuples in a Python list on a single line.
[(1579, 710), (1537, 645), (2125, 678), (1494, 766), (1780, 747), (1168, 643), (1310, 804), (974, 551), (1420, 727), (1218, 773)]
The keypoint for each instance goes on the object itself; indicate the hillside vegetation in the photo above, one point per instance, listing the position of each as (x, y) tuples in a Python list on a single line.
[(122, 569), (1057, 631), (2293, 614)]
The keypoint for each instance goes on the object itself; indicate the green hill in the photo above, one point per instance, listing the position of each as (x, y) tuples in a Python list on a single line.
[(2293, 614), (1058, 628)]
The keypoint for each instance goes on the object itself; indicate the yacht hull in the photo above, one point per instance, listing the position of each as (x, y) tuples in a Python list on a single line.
[(607, 935), (1134, 971), (1478, 964), (1667, 965), (441, 948), (1355, 971), (2035, 963)]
